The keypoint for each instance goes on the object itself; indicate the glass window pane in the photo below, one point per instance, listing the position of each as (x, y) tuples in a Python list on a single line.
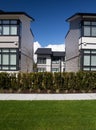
[(85, 68), (13, 21), (41, 69), (6, 30), (93, 23), (86, 60), (5, 50), (5, 21), (93, 52), (5, 59), (13, 30), (86, 23), (93, 60), (5, 68), (12, 59), (41, 60), (86, 51), (12, 50), (93, 31), (12, 68), (93, 69), (86, 31), (55, 69)]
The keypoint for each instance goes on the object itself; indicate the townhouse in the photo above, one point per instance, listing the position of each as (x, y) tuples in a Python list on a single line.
[(50, 61), (80, 42), (16, 42)]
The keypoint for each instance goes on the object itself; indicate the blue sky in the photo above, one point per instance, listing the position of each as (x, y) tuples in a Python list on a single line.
[(49, 26)]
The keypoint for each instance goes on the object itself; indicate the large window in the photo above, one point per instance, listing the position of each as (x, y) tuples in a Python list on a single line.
[(89, 60), (8, 59), (9, 27), (89, 28), (41, 60)]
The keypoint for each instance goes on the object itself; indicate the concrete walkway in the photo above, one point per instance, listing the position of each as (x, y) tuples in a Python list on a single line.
[(88, 96)]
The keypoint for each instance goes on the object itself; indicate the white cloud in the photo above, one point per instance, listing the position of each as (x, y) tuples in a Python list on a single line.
[(55, 47), (36, 46)]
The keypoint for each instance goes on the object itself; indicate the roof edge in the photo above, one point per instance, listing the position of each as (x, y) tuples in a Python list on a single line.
[(16, 13), (80, 14)]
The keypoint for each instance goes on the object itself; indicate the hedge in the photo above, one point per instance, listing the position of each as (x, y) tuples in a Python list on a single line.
[(44, 81)]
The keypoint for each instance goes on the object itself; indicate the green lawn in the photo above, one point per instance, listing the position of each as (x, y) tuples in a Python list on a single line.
[(48, 115)]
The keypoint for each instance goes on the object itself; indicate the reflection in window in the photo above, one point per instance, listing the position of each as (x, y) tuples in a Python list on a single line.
[(89, 60), (5, 59), (12, 59), (86, 31), (41, 60), (55, 69), (89, 28), (93, 31), (9, 27), (13, 30), (86, 60), (41, 69), (5, 30), (8, 59), (93, 60)]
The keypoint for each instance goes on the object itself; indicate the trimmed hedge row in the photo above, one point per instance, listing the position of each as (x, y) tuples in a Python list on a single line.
[(48, 82)]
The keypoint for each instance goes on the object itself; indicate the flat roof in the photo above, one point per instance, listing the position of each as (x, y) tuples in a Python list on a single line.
[(81, 14), (58, 53), (48, 51), (15, 13), (43, 51)]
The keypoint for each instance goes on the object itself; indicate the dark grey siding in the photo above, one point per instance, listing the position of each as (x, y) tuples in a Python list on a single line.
[(72, 46)]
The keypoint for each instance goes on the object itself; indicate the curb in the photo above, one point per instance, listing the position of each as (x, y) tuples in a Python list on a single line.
[(89, 96)]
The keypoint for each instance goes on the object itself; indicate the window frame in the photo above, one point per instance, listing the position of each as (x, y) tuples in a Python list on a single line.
[(90, 26), (12, 22), (41, 69), (9, 65), (91, 52), (41, 60)]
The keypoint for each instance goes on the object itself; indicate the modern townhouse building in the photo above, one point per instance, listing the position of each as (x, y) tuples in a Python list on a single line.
[(80, 42), (50, 61), (16, 42)]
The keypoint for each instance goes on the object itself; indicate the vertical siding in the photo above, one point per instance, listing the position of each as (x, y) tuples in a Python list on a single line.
[(72, 46), (26, 46)]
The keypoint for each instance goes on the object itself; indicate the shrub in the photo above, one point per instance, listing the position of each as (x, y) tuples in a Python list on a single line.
[(80, 81), (47, 82)]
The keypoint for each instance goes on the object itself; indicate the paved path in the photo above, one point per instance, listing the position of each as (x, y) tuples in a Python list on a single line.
[(89, 96)]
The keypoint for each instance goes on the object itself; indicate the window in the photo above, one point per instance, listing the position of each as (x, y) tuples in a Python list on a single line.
[(9, 27), (12, 59), (93, 60), (5, 30), (55, 69), (13, 30), (89, 60), (41, 60), (89, 28), (86, 60), (55, 60), (41, 69), (86, 31), (8, 59)]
